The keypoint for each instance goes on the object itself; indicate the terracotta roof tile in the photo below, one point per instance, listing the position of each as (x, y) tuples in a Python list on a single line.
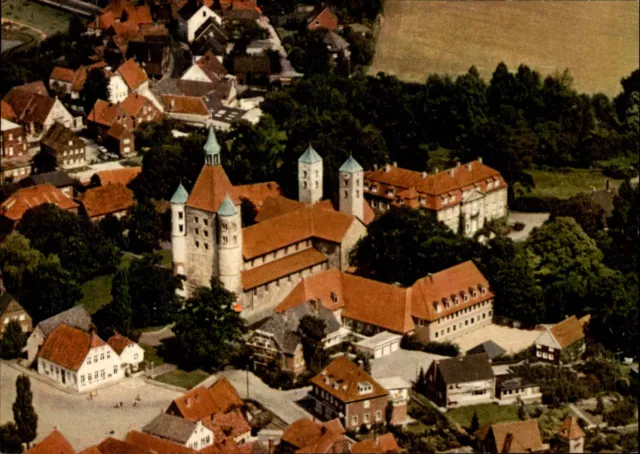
[(132, 73), (63, 74), (570, 429), (212, 67), (347, 375), (258, 193), (30, 102), (119, 342), (229, 425), (54, 443), (111, 198), (305, 433), (36, 87), (118, 131), (185, 104), (201, 403), (526, 435), (155, 444), (113, 446), (133, 103), (23, 199), (224, 395), (123, 176), (383, 444), (280, 268), (277, 205), (568, 331), (211, 188), (6, 111), (106, 113), (58, 137), (226, 446), (68, 347), (324, 19)]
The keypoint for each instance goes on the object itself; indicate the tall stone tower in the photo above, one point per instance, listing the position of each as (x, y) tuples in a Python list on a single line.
[(310, 176), (178, 230), (211, 149), (230, 260), (351, 188)]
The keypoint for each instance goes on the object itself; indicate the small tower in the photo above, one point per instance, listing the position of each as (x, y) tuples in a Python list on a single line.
[(178, 230), (573, 435), (310, 176), (351, 188), (211, 149), (230, 260)]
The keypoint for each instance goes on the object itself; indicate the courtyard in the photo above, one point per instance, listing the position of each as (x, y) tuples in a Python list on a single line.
[(402, 363), (513, 340), (82, 420)]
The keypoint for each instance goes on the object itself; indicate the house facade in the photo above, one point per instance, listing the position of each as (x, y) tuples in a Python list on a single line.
[(192, 16), (192, 434), (564, 338), (399, 397), (346, 391), (130, 353), (465, 196), (466, 380), (11, 310), (15, 160), (119, 140), (62, 144), (78, 360), (510, 389)]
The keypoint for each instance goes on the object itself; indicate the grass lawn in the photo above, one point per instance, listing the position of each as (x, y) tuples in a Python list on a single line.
[(151, 355), (487, 413), (181, 378), (42, 17), (565, 184), (166, 257), (97, 292)]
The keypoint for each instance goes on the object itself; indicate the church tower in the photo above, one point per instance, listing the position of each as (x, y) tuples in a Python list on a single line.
[(179, 230), (351, 188), (230, 260), (211, 149), (310, 176)]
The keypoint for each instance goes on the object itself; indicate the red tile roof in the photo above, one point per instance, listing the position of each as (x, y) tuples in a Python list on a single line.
[(185, 104), (229, 425), (226, 446), (345, 375), (111, 198), (258, 193), (570, 429), (30, 102), (568, 331), (201, 403), (133, 103), (68, 346), (224, 395), (106, 113), (63, 74), (54, 443), (119, 131), (382, 444), (211, 188), (113, 446), (280, 268), (155, 444), (524, 435), (23, 199), (305, 433), (6, 111), (119, 342), (132, 73), (212, 67), (324, 19), (123, 176), (277, 205)]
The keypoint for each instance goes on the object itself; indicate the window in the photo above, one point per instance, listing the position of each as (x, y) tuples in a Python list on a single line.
[(436, 334), (466, 322), (115, 370), (197, 231), (206, 233), (197, 243), (102, 374), (354, 420), (225, 240), (551, 356), (181, 228), (483, 291), (366, 418), (206, 221), (367, 403), (378, 415), (108, 354), (82, 379), (89, 377), (96, 375), (204, 14), (317, 184), (102, 357), (304, 174), (95, 359), (196, 219), (206, 246), (346, 194), (180, 214), (88, 359), (304, 185)]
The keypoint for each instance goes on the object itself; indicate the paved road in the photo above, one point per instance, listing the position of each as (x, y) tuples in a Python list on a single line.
[(154, 338), (282, 403), (85, 422), (402, 363)]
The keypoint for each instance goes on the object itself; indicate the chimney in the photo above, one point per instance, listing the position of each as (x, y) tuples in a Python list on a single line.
[(435, 170), (451, 171), (375, 167), (423, 175), (458, 164), (469, 167), (430, 276), (361, 364), (387, 167), (607, 184), (480, 159), (395, 164)]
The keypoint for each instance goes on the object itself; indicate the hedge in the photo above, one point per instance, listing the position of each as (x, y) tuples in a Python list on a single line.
[(533, 204), (437, 348)]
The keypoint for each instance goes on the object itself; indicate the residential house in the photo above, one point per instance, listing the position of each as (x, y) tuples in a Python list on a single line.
[(189, 109), (15, 162), (192, 16), (236, 21), (11, 310), (6, 111), (466, 195), (37, 111), (277, 339), (346, 391), (14, 207), (104, 114), (214, 94), (78, 360), (510, 388), (123, 176), (338, 49), (157, 445), (252, 69), (130, 353), (192, 434), (77, 317), (507, 437), (564, 336), (399, 397), (571, 435), (140, 109), (58, 178), (55, 442), (119, 140), (112, 199), (381, 344), (65, 81), (465, 380), (64, 146), (489, 347), (210, 37), (111, 445), (307, 436), (133, 75), (382, 444), (440, 306), (322, 18), (206, 69), (152, 50)]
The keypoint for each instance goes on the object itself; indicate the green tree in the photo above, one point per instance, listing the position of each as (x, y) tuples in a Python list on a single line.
[(475, 423), (308, 52), (584, 210), (23, 412), (10, 439), (404, 245), (112, 229), (208, 327), (12, 341), (312, 330), (119, 312), (16, 257), (95, 87), (248, 212), (76, 27), (599, 405), (145, 227), (624, 230)]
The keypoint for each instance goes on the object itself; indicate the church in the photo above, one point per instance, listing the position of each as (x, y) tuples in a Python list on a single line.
[(291, 239)]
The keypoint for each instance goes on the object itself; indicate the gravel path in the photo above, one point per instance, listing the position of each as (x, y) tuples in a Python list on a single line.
[(530, 220)]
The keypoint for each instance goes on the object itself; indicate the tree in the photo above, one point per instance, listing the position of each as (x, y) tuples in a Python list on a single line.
[(145, 227), (308, 52), (95, 87), (248, 212), (76, 28), (119, 312), (584, 210), (312, 330), (44, 162), (23, 412), (599, 405), (404, 245), (12, 341), (522, 413), (10, 439), (475, 423), (208, 327), (16, 257), (624, 230), (112, 229)]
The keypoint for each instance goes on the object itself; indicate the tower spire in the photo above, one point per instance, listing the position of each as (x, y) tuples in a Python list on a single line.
[(212, 149)]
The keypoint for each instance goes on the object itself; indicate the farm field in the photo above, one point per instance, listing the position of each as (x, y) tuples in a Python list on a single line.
[(596, 40), (36, 15), (566, 184)]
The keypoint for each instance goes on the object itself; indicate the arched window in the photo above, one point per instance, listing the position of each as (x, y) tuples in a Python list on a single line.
[(304, 185)]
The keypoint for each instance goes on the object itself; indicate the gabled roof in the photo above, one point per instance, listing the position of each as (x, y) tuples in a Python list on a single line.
[(57, 178), (325, 18), (8, 303), (282, 267), (524, 436), (54, 443), (171, 427), (30, 102), (77, 317), (119, 342), (134, 102), (104, 200), (189, 9), (113, 446), (211, 66), (123, 176), (277, 205), (132, 73), (118, 131), (489, 347), (23, 199), (231, 423), (381, 444), (63, 74), (342, 378), (567, 332), (106, 113), (200, 403), (465, 369), (335, 42), (311, 436), (6, 111), (310, 156), (258, 193), (68, 346), (211, 188), (58, 137), (155, 444), (570, 429), (185, 104)]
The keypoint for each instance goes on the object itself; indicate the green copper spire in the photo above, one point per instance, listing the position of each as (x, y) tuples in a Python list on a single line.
[(180, 196), (227, 208), (351, 166), (212, 148), (310, 156)]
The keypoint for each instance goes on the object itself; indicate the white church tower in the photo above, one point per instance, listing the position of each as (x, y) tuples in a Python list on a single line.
[(230, 261), (310, 177), (178, 230), (351, 188)]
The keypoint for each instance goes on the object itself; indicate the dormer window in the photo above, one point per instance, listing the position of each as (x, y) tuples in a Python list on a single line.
[(366, 186), (475, 294), (364, 387), (390, 191), (483, 290), (465, 297), (423, 201), (457, 300), (374, 188), (334, 297), (436, 306)]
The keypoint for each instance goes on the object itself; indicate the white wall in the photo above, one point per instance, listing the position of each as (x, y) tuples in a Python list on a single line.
[(132, 355), (199, 18), (195, 73)]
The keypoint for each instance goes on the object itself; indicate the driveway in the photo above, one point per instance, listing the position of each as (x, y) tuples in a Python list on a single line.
[(512, 340), (281, 403), (83, 421), (402, 363), (530, 220)]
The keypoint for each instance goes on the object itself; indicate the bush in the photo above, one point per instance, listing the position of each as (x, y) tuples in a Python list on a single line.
[(618, 172), (518, 226), (437, 348), (522, 355), (533, 204), (364, 429), (621, 415)]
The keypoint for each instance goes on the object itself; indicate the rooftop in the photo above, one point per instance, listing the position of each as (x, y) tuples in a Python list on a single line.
[(171, 427), (568, 331), (109, 199), (68, 346), (342, 378), (23, 199), (380, 338), (465, 369), (310, 156)]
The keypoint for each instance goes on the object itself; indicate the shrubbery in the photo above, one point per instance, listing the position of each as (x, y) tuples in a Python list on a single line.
[(437, 348)]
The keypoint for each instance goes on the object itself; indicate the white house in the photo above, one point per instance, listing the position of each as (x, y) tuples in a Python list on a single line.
[(78, 360), (398, 388), (131, 354), (117, 88), (192, 434), (192, 16)]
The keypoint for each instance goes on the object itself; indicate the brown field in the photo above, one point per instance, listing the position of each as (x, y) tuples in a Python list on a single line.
[(597, 40)]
